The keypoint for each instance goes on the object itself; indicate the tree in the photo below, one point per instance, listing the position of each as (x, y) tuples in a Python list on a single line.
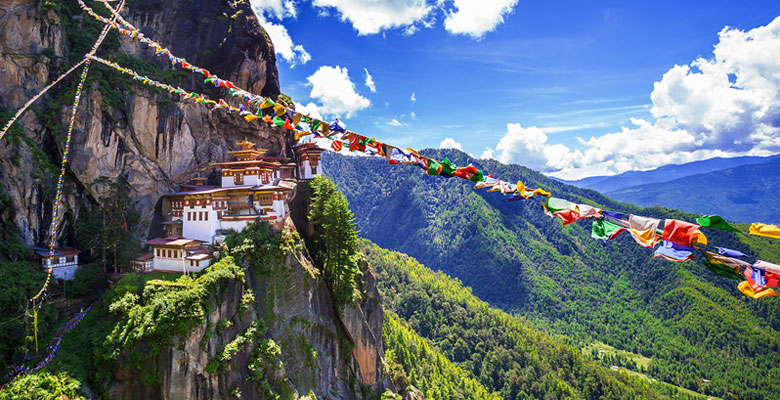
[(334, 243), (111, 230)]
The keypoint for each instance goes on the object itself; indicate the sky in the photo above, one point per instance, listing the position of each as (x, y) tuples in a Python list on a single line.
[(569, 88)]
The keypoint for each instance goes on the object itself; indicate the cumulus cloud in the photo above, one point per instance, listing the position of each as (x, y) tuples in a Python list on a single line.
[(294, 54), (336, 92), (370, 81), (727, 105), (476, 17), (372, 16), (309, 109), (396, 123), (450, 143)]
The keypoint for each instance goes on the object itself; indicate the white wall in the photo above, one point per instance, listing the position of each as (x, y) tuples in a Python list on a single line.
[(200, 230), (66, 272)]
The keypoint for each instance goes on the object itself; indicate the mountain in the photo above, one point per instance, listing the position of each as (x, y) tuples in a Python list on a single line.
[(505, 353), (608, 184), (147, 139), (750, 193), (693, 325)]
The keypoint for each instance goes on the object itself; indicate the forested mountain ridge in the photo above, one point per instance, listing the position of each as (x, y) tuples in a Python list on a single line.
[(749, 193), (694, 325)]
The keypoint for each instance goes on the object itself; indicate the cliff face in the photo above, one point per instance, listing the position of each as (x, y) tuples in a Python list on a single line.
[(154, 141), (321, 351)]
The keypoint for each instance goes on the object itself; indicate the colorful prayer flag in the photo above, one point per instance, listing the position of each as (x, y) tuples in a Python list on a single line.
[(605, 230), (683, 233), (759, 229), (724, 266), (715, 222), (730, 253), (674, 252)]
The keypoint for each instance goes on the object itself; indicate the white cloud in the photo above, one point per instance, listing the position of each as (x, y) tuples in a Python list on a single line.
[(728, 105), (336, 92), (413, 115), (309, 109), (413, 98), (487, 154), (372, 16), (370, 81), (396, 123), (476, 17), (450, 143), (293, 54), (279, 9)]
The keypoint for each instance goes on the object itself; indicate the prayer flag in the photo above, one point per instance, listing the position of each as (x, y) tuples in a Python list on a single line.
[(745, 288), (279, 110), (683, 232), (296, 118), (299, 135), (715, 222), (267, 103), (356, 143), (250, 117), (288, 125), (730, 253), (466, 172), (759, 229), (724, 266), (674, 252), (760, 279), (278, 121), (553, 205), (447, 168), (398, 156), (433, 167), (314, 124), (336, 146), (774, 268), (567, 216), (587, 211), (488, 182), (643, 230), (605, 230)]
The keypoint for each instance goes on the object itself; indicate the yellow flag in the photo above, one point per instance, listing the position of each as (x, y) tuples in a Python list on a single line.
[(250, 117), (745, 288), (279, 110), (299, 135), (760, 229), (296, 119)]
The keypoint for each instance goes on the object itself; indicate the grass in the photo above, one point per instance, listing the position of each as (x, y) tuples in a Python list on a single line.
[(642, 362)]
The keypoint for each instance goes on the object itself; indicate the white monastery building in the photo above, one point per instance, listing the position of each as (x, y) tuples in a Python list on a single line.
[(64, 264), (254, 187)]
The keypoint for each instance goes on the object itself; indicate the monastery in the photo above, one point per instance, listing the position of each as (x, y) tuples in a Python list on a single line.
[(253, 187)]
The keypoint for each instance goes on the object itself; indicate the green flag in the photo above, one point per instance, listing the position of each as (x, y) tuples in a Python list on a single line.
[(434, 167), (447, 168), (554, 204), (605, 230), (722, 270), (716, 222)]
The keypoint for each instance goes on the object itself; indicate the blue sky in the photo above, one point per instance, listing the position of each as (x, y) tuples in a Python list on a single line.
[(562, 87)]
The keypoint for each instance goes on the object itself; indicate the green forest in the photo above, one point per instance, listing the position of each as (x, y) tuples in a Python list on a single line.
[(695, 326)]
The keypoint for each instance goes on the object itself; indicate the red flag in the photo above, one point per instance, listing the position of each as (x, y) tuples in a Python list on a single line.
[(336, 146)]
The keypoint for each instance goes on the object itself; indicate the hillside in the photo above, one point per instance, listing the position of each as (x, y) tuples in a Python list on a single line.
[(664, 173), (505, 353), (695, 326), (750, 193)]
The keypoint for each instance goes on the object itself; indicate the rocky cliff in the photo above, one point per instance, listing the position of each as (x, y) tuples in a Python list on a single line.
[(288, 339), (127, 132)]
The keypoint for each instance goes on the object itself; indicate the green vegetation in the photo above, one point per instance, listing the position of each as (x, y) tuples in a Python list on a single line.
[(333, 244), (505, 353), (44, 386), (412, 361), (108, 231), (699, 332)]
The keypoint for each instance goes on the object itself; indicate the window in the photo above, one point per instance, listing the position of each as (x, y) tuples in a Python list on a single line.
[(207, 215)]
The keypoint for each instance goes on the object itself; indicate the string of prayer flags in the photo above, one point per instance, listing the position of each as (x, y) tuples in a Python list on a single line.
[(716, 222), (724, 266), (682, 232), (759, 229), (674, 252)]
